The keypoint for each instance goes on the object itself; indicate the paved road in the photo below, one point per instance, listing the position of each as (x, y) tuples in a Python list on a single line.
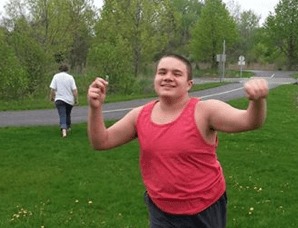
[(117, 110)]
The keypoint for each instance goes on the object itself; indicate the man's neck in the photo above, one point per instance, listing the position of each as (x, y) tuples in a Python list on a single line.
[(168, 104)]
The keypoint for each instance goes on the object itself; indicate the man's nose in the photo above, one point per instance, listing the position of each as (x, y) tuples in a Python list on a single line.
[(169, 76)]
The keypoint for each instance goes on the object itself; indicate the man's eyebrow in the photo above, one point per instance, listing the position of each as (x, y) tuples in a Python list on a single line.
[(177, 70), (173, 70), (161, 69)]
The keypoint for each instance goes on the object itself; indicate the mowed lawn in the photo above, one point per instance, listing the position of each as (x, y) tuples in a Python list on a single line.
[(47, 181)]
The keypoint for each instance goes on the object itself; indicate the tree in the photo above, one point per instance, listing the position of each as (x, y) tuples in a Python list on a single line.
[(248, 26), (29, 53), (14, 79), (82, 20), (186, 14), (111, 50), (130, 34), (282, 31), (43, 33), (62, 28), (213, 28)]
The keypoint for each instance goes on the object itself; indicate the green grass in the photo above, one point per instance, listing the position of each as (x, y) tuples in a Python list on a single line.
[(47, 181), (42, 101), (214, 73), (295, 75), (261, 166), (54, 182)]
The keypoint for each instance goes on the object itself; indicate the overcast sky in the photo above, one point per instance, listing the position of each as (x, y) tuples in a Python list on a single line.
[(260, 7)]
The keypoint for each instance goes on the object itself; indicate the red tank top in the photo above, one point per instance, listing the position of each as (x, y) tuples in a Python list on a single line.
[(180, 169)]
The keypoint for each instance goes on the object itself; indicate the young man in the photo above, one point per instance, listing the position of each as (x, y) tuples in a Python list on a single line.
[(65, 94), (184, 181)]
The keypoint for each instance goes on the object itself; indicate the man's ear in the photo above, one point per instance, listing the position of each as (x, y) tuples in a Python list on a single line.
[(190, 83)]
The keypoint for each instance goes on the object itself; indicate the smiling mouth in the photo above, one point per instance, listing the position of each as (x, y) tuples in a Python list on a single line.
[(167, 86)]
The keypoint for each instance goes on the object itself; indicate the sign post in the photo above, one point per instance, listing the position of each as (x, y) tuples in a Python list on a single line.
[(241, 63), (221, 59)]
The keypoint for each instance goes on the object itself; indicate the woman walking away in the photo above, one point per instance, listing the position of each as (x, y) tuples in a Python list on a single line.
[(65, 94)]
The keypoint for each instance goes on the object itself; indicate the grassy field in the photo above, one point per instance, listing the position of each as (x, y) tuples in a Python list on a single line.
[(47, 181)]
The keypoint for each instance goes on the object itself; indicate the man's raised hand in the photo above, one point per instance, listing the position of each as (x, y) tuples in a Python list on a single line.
[(97, 92)]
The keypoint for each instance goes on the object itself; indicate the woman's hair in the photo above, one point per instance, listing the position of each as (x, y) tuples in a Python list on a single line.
[(63, 67), (182, 59)]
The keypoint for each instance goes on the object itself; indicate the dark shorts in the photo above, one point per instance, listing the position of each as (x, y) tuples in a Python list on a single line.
[(213, 217)]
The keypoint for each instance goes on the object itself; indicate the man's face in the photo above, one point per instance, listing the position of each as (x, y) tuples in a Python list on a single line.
[(171, 78)]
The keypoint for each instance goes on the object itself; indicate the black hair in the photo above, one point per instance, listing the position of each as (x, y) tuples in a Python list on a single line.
[(182, 59)]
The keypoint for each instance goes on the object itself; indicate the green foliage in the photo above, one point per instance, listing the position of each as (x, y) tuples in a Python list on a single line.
[(133, 34), (124, 39), (248, 26), (14, 79), (111, 50), (213, 28), (282, 31), (29, 53), (46, 33), (62, 27), (111, 62), (187, 14)]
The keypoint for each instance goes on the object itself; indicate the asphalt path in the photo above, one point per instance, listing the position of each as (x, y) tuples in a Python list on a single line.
[(113, 111)]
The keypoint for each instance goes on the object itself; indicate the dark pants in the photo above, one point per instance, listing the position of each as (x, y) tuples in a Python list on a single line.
[(213, 217), (64, 111)]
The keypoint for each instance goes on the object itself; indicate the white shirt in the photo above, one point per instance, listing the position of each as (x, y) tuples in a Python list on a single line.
[(64, 84)]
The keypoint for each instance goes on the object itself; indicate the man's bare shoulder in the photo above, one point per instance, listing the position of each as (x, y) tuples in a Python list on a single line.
[(211, 106), (134, 113), (210, 103)]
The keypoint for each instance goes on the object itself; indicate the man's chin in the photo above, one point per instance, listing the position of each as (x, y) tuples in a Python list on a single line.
[(166, 95)]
